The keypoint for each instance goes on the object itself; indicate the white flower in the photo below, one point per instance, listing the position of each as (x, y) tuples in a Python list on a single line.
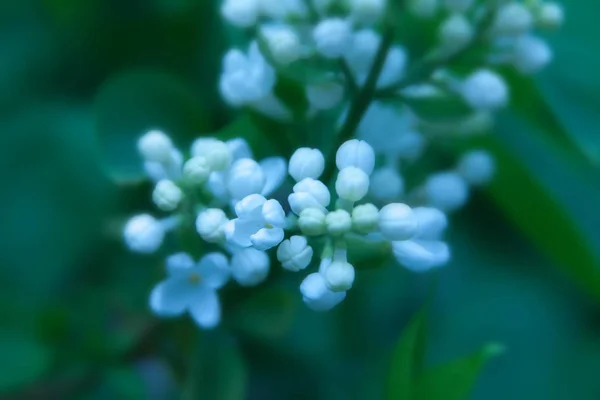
[(447, 191), (284, 43), (476, 167), (250, 267), (306, 163), (485, 90), (332, 37), (155, 146), (458, 6), (275, 170), (217, 153), (196, 170), (239, 148), (295, 254), (513, 19), (245, 177), (324, 95), (311, 221), (192, 287), (362, 51), (316, 189), (246, 78), (456, 32), (339, 275), (365, 218), (386, 184), (356, 153), (424, 250), (397, 222), (315, 293), (210, 224), (531, 54), (259, 223), (240, 13), (550, 15), (424, 8), (167, 195), (338, 222), (352, 184), (171, 169), (144, 234), (367, 11)]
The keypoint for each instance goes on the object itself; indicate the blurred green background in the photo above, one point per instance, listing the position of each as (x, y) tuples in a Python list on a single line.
[(79, 80)]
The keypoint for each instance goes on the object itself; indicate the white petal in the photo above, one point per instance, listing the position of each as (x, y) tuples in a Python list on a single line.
[(275, 169), (239, 148), (214, 270), (431, 222), (301, 201), (250, 206), (155, 171), (273, 213), (240, 230), (234, 59), (317, 296), (179, 263), (170, 297), (205, 308), (267, 238), (250, 267), (421, 255), (217, 186)]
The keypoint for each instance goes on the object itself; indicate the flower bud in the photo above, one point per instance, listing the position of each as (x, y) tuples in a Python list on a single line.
[(239, 148), (240, 13), (301, 201), (316, 295), (249, 267), (325, 95), (365, 218), (245, 177), (394, 66), (386, 184), (361, 52), (295, 254), (306, 163), (143, 234), (477, 167), (410, 145), (485, 90), (367, 11), (550, 15), (283, 43), (155, 146), (316, 189), (432, 222), (338, 222), (421, 255), (312, 222), (217, 153), (210, 223), (356, 153), (339, 276), (352, 184), (513, 19), (531, 54), (397, 222), (447, 191), (456, 32), (196, 170), (332, 37), (167, 195)]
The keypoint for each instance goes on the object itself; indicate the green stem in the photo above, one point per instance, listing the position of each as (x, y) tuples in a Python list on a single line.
[(361, 101)]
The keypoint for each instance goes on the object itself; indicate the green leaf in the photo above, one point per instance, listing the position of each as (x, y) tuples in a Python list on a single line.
[(217, 369), (24, 359), (443, 107), (407, 359), (122, 383), (130, 104), (455, 379), (267, 314)]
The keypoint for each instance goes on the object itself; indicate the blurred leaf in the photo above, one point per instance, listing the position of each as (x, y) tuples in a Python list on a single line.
[(454, 380), (407, 359), (130, 104), (367, 254), (266, 314), (24, 360), (122, 382), (444, 107), (253, 129), (217, 370)]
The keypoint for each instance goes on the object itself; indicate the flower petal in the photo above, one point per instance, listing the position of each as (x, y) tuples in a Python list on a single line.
[(240, 230), (273, 213), (267, 238), (250, 207), (179, 264), (275, 169), (214, 270), (170, 297), (205, 308), (421, 255), (302, 200), (432, 222), (317, 295)]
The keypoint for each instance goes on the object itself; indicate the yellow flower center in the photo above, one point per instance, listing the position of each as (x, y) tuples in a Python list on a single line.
[(194, 278)]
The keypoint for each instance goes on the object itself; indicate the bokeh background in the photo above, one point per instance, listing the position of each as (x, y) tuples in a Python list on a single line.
[(79, 80)]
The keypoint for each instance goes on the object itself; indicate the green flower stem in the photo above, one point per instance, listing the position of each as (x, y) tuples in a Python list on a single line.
[(361, 102)]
